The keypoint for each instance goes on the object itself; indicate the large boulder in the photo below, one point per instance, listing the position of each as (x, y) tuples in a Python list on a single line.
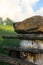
[(32, 24)]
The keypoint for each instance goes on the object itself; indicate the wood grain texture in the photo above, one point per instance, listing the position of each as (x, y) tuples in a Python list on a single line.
[(31, 24), (14, 61)]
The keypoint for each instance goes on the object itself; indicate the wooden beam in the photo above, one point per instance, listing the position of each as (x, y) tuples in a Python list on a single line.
[(30, 50), (24, 36), (14, 61)]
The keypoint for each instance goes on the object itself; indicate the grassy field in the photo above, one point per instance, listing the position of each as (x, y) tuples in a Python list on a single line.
[(6, 27), (7, 30)]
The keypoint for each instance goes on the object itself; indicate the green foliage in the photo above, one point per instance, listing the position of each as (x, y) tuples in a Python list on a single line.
[(1, 21), (7, 30), (8, 21)]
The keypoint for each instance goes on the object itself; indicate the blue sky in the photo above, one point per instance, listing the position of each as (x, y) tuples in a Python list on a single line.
[(38, 5), (19, 10)]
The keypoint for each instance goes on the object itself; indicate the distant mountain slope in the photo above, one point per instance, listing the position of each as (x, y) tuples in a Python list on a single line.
[(34, 23)]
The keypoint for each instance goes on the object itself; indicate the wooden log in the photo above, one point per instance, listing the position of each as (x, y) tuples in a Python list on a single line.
[(30, 50), (24, 36), (32, 24), (14, 61)]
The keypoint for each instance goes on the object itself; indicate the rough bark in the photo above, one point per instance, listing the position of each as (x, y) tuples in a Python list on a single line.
[(32, 24), (14, 61)]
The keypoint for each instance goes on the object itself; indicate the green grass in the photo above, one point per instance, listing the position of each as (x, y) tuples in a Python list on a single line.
[(4, 30), (7, 30)]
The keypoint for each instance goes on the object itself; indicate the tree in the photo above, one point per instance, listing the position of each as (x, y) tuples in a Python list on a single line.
[(1, 21), (8, 21)]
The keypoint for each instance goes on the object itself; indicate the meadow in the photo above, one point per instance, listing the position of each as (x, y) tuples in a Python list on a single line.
[(7, 30)]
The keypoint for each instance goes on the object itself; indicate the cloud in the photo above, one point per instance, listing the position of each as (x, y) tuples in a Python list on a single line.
[(40, 11), (27, 8), (29, 2), (17, 10), (9, 8)]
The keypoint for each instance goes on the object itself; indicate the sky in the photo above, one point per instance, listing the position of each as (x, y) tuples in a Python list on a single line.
[(19, 10)]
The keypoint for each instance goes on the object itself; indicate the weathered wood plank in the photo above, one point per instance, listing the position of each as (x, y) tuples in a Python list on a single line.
[(32, 24), (30, 50), (14, 61), (24, 36)]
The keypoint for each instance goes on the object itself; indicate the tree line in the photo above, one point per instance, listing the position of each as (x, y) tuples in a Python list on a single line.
[(7, 21)]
